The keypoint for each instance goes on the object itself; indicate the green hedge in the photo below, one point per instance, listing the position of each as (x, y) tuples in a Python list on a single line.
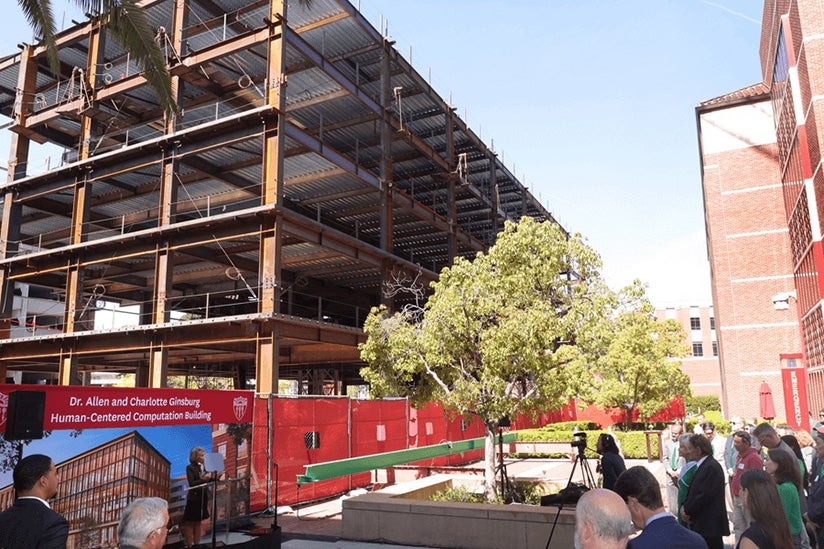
[(571, 425), (633, 444), (525, 492), (641, 426), (722, 426), (702, 404)]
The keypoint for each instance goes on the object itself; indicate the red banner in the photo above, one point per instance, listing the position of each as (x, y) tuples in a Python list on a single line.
[(83, 407), (795, 397)]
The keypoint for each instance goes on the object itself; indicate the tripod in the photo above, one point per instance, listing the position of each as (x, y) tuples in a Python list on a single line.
[(586, 476), (586, 471)]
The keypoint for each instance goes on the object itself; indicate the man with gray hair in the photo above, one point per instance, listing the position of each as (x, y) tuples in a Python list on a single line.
[(672, 463), (144, 524), (768, 437), (602, 521)]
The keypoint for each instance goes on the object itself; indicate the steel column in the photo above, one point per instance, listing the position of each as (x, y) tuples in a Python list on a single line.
[(386, 170), (451, 207), (80, 214), (12, 209), (267, 360), (167, 206), (493, 192)]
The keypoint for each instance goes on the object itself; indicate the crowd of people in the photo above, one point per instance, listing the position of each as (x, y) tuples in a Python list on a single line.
[(763, 484)]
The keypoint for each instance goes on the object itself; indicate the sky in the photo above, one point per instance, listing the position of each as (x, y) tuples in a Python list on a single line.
[(591, 103)]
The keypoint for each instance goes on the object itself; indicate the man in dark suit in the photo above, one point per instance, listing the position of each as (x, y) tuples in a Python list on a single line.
[(639, 489), (31, 523), (705, 509)]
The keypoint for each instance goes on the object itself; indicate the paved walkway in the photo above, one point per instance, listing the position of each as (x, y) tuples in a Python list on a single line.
[(318, 526)]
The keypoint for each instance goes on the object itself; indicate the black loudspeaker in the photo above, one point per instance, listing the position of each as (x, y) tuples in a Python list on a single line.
[(312, 440), (24, 416)]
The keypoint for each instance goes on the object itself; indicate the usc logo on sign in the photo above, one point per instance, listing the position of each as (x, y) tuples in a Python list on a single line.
[(239, 404)]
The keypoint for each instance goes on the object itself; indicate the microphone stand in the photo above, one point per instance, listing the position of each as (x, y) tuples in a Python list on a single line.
[(214, 509)]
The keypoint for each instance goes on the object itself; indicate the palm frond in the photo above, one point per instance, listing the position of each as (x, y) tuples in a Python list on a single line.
[(40, 16), (130, 27)]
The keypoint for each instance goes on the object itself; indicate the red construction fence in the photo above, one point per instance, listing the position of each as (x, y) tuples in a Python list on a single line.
[(307, 430)]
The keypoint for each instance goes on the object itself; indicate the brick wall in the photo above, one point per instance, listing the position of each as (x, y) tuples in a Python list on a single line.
[(749, 249), (703, 371), (799, 135)]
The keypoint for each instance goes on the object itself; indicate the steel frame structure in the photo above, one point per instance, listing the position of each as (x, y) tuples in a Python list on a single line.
[(309, 166)]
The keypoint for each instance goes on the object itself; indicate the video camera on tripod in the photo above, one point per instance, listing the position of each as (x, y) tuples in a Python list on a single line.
[(573, 490), (579, 440)]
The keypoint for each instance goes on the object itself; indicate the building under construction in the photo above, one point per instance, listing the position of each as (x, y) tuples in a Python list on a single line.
[(310, 166)]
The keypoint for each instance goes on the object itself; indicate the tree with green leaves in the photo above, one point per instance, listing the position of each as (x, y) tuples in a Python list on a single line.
[(500, 335), (639, 367)]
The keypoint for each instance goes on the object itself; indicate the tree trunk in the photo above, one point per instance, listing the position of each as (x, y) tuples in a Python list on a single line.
[(490, 482)]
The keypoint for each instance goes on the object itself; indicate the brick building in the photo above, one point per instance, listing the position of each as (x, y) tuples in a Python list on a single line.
[(701, 365), (97, 485), (233, 442), (748, 245), (792, 46), (761, 159)]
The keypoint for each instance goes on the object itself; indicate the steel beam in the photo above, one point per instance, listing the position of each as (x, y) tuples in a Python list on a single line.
[(350, 466)]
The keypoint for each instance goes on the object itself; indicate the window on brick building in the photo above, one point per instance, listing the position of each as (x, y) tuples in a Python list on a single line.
[(695, 323), (712, 323), (714, 348), (697, 349)]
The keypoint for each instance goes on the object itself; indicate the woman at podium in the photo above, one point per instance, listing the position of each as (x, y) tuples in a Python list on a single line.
[(197, 498)]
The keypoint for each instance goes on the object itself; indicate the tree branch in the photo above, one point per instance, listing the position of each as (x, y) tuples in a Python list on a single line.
[(437, 378)]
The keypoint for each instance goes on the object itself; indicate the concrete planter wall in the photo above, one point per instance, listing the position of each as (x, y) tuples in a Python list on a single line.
[(403, 515)]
